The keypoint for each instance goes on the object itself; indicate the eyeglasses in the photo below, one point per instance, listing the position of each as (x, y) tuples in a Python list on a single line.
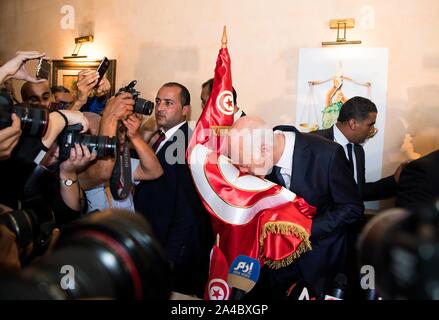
[(372, 133)]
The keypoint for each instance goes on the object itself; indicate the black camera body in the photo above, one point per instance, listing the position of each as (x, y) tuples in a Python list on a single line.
[(34, 121), (141, 106), (104, 145)]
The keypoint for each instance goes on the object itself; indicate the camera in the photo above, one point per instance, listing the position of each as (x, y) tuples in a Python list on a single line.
[(402, 246), (104, 145), (31, 227), (141, 106), (109, 255), (34, 121)]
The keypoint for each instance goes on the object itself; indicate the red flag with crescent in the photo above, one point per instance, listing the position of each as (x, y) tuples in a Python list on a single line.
[(253, 216), (217, 287)]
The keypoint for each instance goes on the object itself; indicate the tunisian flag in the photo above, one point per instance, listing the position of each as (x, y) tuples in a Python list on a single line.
[(217, 287), (253, 216)]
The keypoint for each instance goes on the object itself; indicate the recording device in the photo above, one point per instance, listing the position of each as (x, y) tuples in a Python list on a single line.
[(104, 145), (43, 69), (34, 121), (339, 288), (106, 255), (103, 67), (402, 246), (243, 275), (301, 290), (141, 106)]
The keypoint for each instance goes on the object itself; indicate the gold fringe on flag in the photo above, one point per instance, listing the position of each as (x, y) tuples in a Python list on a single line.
[(285, 228)]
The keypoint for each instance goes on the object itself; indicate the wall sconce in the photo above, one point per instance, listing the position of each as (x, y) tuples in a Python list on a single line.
[(341, 25), (78, 43)]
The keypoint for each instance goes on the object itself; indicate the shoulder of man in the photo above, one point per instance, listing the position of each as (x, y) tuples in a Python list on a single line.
[(312, 140)]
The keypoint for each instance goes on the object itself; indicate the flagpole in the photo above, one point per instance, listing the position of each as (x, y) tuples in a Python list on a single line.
[(224, 38), (217, 240)]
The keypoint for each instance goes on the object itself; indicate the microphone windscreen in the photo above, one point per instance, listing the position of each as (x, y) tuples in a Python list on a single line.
[(244, 273)]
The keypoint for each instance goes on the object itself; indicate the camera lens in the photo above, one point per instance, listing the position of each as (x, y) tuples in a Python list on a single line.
[(110, 254), (34, 121), (143, 106), (22, 224), (104, 146)]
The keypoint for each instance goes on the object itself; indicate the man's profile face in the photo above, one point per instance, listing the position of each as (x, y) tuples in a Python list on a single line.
[(205, 94), (250, 151), (169, 111), (38, 94), (365, 128)]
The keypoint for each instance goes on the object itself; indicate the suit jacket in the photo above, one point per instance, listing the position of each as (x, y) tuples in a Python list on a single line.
[(419, 182), (319, 175), (381, 189), (177, 216)]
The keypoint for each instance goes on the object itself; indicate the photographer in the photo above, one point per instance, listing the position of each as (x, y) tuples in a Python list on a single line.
[(147, 167)]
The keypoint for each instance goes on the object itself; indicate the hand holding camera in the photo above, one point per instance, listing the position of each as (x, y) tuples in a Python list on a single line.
[(132, 123), (80, 157), (15, 68), (119, 107), (9, 137), (87, 80)]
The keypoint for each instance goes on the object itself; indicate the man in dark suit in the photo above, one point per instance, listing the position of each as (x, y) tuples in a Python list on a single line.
[(171, 202), (355, 124), (419, 182), (317, 170)]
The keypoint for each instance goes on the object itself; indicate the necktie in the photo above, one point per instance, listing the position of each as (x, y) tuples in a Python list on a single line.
[(278, 175), (158, 141), (351, 161)]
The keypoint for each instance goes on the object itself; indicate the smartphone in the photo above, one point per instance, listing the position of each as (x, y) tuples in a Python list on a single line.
[(103, 67), (43, 69)]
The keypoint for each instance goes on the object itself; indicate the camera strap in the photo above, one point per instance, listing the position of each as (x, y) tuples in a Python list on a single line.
[(121, 183)]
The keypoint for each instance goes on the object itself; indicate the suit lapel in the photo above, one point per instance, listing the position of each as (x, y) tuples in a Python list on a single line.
[(162, 152), (300, 160)]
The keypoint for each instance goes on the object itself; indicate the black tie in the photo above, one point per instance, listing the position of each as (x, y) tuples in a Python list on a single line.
[(278, 175), (158, 141), (351, 160)]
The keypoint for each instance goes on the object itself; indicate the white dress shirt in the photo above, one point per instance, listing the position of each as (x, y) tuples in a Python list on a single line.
[(341, 139), (169, 134)]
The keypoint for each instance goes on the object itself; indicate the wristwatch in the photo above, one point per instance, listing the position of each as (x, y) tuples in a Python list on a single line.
[(69, 182)]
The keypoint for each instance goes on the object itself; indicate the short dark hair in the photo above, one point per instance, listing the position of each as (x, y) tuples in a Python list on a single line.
[(209, 84), (185, 96), (56, 89), (357, 108)]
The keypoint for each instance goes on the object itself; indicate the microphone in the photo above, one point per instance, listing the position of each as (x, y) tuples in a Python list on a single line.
[(243, 275), (301, 290), (339, 285)]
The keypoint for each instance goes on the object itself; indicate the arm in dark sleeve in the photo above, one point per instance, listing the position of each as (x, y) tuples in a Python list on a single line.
[(346, 207), (381, 189), (411, 192)]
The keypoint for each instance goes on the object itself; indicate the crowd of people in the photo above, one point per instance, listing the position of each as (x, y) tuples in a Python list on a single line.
[(325, 167)]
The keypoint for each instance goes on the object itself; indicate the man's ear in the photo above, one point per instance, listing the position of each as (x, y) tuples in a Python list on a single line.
[(186, 110), (352, 124)]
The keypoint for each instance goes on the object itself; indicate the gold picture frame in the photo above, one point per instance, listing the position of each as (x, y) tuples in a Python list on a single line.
[(65, 73)]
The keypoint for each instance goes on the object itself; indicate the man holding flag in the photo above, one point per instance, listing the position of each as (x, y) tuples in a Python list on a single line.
[(254, 217)]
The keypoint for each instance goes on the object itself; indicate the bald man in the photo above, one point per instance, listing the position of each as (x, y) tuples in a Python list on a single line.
[(315, 169), (37, 94)]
